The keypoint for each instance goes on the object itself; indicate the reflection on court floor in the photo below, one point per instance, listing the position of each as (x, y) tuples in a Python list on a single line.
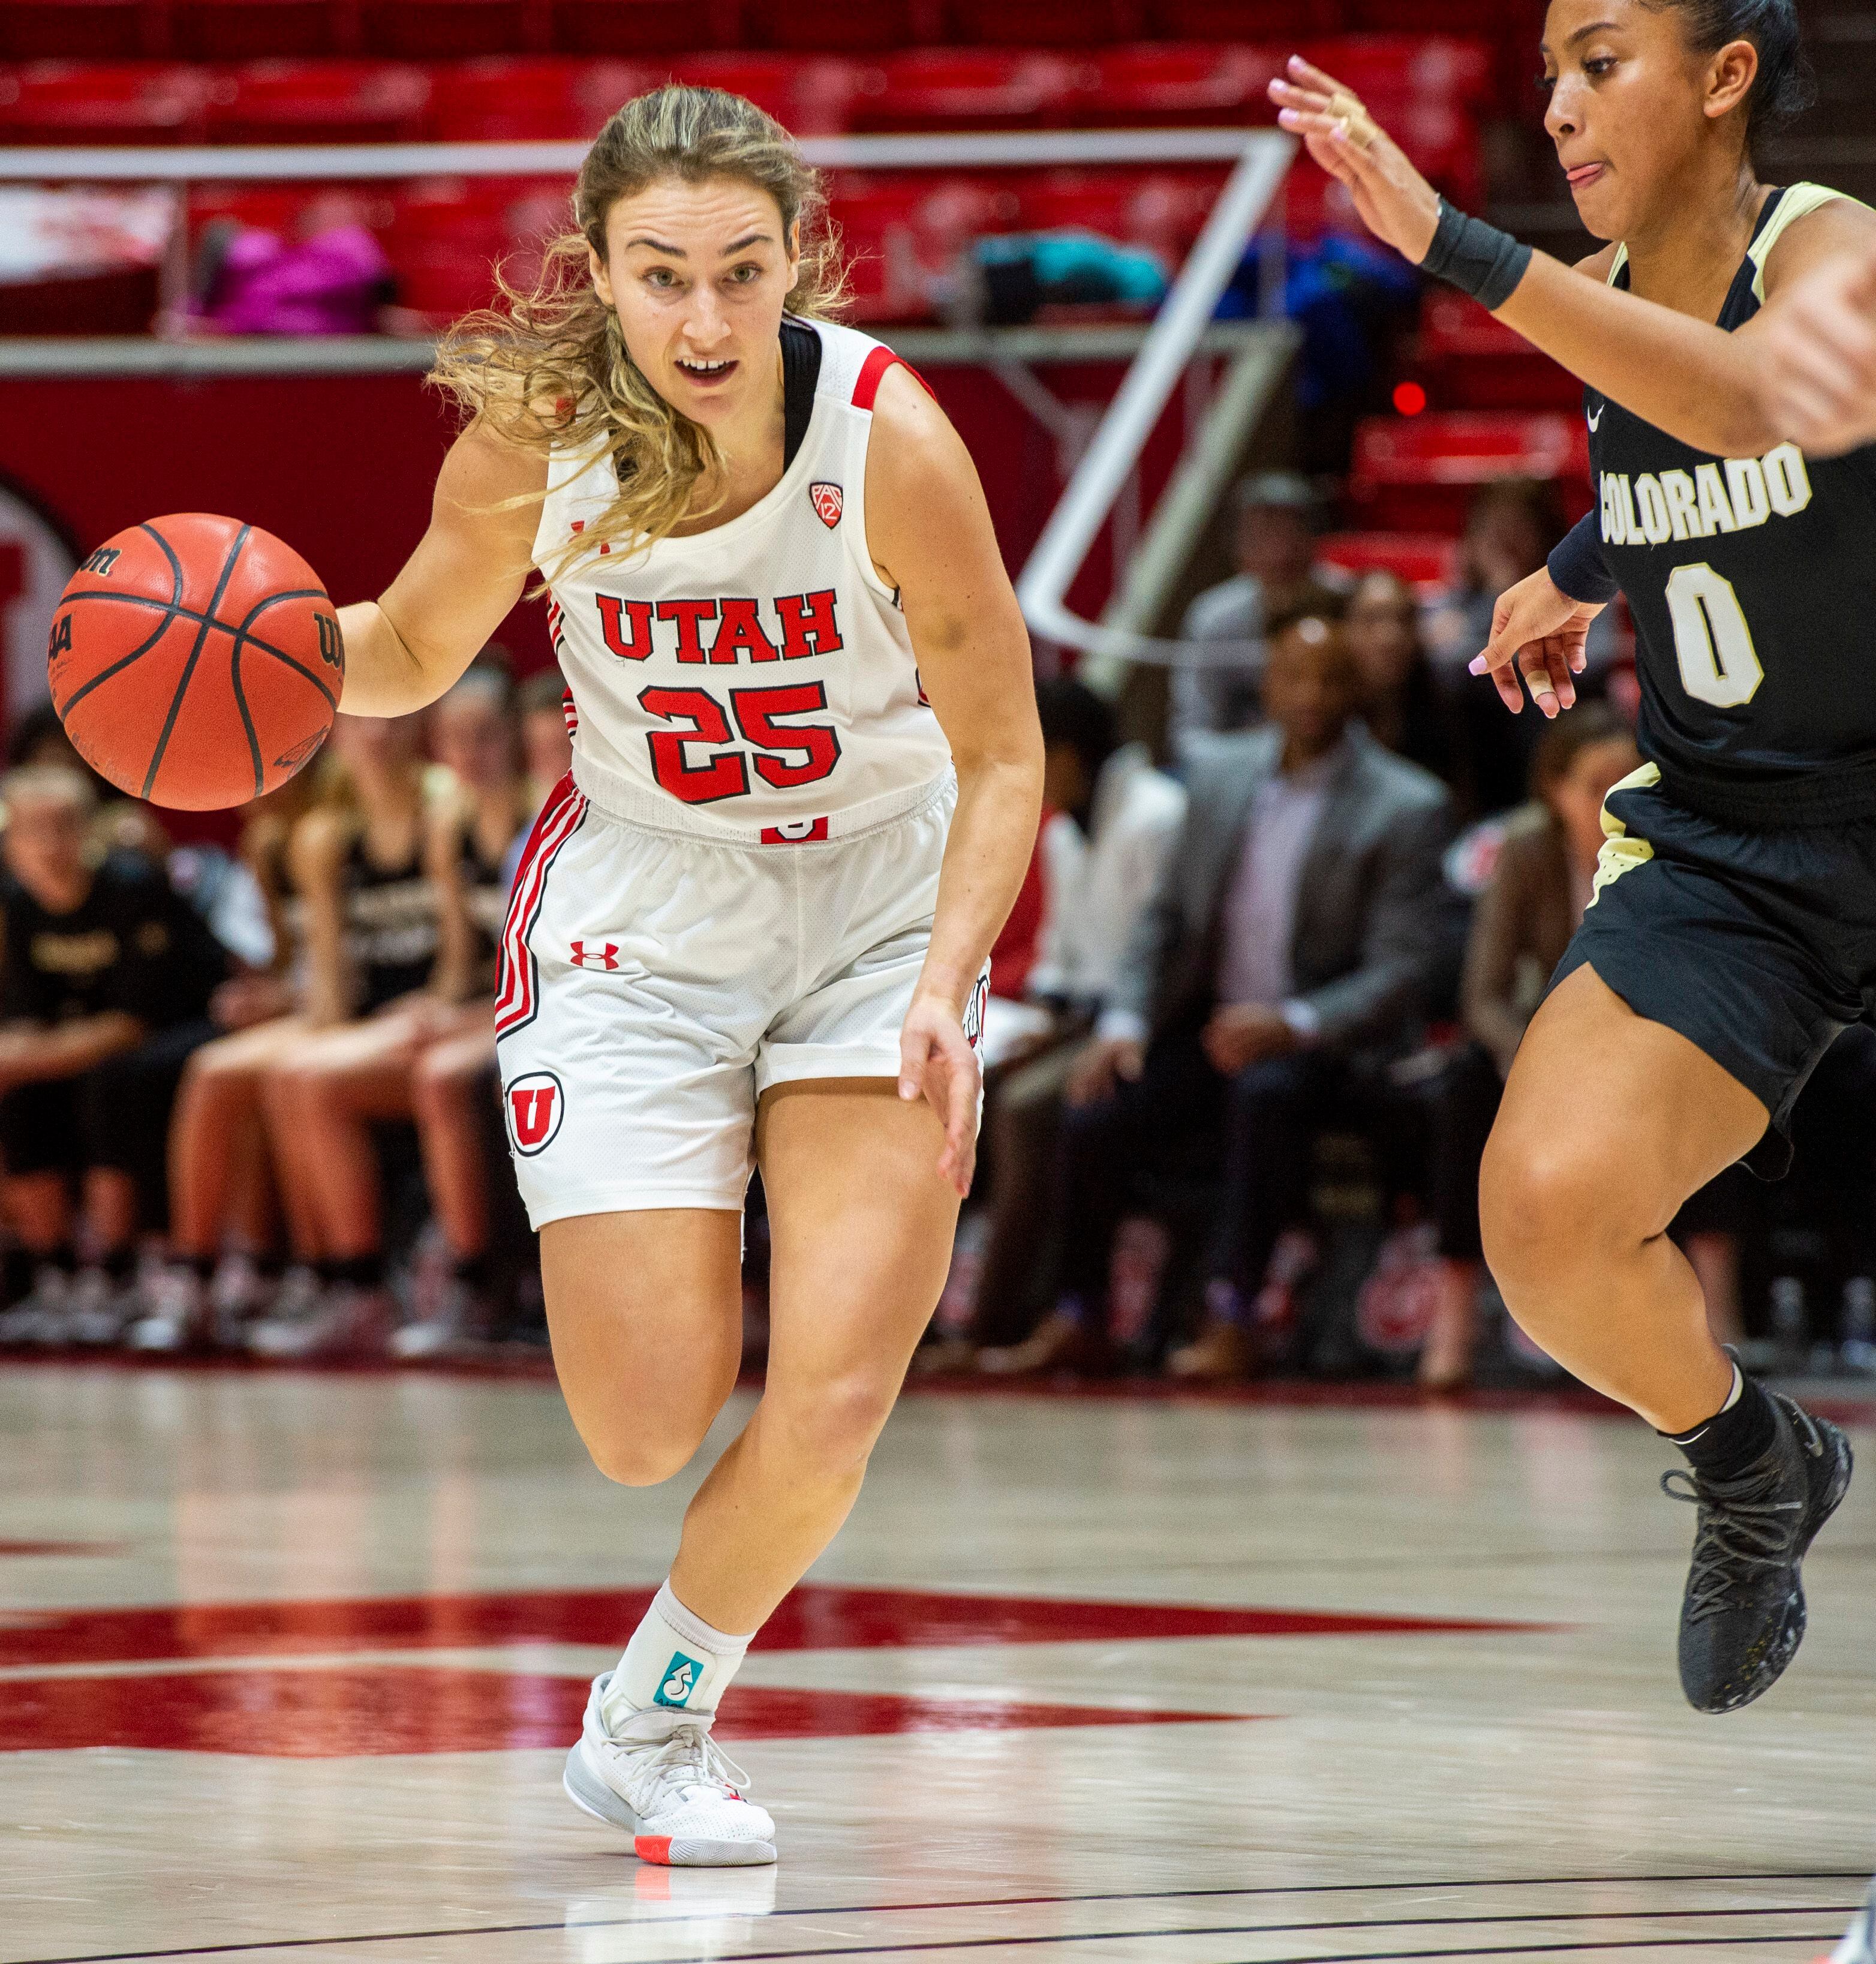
[(288, 1664)]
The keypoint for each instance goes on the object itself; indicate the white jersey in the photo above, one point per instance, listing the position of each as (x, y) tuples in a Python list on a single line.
[(753, 683)]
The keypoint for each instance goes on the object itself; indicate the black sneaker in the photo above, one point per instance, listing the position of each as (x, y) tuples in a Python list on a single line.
[(1742, 1618)]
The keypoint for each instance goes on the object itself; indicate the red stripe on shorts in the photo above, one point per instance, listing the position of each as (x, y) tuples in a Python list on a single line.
[(514, 991)]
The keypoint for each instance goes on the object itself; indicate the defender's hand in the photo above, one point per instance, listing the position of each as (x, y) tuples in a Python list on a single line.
[(1540, 632), (936, 1062), (1395, 202), (1819, 341)]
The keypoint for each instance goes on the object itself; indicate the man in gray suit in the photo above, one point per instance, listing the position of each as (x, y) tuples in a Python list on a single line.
[(1300, 921)]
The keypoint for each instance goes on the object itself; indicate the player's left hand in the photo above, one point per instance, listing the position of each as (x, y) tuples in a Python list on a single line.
[(1395, 202), (1540, 632), (937, 1062), (1818, 344)]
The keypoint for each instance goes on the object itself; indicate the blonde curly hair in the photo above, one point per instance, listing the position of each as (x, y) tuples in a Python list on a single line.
[(548, 368)]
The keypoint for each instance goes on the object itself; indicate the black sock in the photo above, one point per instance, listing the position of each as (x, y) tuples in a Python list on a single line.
[(16, 1275), (360, 1271), (65, 1258), (204, 1266), (472, 1271), (1724, 1446), (119, 1263)]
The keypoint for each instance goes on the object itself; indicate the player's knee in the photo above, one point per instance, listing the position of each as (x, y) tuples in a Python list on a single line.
[(643, 1453), (1547, 1206), (830, 1430)]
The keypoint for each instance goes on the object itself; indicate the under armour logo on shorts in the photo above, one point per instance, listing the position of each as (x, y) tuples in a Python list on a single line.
[(583, 957)]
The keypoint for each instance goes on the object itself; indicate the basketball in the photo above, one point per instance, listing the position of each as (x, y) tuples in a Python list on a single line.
[(195, 661)]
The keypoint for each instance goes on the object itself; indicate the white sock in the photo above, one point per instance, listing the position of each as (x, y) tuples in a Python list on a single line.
[(675, 1661)]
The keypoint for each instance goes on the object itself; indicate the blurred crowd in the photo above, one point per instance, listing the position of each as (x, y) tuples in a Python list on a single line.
[(233, 1085), (1253, 1014)]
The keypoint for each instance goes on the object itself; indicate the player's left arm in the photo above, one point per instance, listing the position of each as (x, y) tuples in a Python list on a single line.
[(929, 531), (1700, 383)]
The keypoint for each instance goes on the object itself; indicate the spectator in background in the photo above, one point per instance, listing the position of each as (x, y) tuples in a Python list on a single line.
[(224, 1204), (1512, 525), (106, 983), (1406, 710), (1112, 819), (388, 960), (1289, 930), (1275, 546), (117, 823), (476, 735), (546, 737)]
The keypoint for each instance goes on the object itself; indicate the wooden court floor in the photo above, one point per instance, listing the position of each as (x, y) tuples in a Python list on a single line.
[(289, 1663)]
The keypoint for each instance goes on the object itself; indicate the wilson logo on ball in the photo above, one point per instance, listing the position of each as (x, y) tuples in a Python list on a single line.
[(825, 499)]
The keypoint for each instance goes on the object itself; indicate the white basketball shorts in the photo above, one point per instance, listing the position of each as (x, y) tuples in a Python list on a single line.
[(654, 984)]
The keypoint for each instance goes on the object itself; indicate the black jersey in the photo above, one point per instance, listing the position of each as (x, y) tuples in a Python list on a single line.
[(1752, 584), (132, 945), (391, 927)]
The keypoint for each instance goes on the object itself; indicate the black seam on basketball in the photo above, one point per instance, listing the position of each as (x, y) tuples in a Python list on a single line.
[(222, 627), (195, 655), (176, 580), (247, 721), (170, 616)]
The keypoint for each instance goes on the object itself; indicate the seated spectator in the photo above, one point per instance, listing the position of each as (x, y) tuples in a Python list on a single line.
[(1404, 707), (1288, 932), (546, 738), (1112, 818), (1523, 921), (223, 1201), (1278, 572), (474, 732), (390, 961), (118, 823), (1511, 526), (106, 983)]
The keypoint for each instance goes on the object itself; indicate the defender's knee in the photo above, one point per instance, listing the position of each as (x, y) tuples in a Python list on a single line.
[(1550, 1209)]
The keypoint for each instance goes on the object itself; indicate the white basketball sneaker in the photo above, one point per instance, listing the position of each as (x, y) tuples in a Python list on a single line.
[(667, 1782)]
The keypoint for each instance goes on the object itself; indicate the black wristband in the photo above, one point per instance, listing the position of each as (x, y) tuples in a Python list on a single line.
[(1577, 568), (1476, 257)]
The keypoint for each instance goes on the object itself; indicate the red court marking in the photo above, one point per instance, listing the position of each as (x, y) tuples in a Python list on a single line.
[(345, 1712), (61, 1547), (813, 1617)]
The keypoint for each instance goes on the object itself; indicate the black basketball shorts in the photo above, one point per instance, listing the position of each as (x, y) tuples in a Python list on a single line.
[(1759, 947)]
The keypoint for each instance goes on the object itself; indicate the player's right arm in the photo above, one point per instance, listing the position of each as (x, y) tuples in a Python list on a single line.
[(403, 649)]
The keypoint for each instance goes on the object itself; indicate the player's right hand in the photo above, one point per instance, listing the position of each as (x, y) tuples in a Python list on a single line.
[(1540, 632), (1105, 1060)]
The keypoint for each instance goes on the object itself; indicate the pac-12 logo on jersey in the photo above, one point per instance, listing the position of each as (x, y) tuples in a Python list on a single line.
[(825, 499), (534, 1105)]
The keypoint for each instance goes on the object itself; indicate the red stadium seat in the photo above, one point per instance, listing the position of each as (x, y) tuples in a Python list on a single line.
[(1049, 24), (420, 30), (1415, 473), (875, 27), (445, 236), (808, 94), (1171, 86), (531, 98), (101, 102), (1472, 361), (631, 29), (901, 233), (318, 102), (1280, 21), (79, 29), (261, 29), (1387, 69), (963, 89)]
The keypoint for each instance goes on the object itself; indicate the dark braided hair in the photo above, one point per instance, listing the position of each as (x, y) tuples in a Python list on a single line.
[(1784, 87)]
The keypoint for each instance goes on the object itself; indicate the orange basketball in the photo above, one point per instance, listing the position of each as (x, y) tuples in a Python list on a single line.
[(196, 661)]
